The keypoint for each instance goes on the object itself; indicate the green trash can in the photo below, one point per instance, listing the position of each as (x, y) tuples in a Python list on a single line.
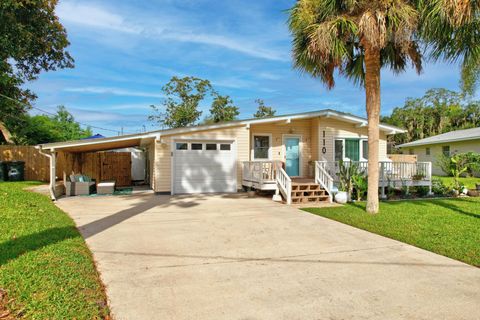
[(16, 170), (3, 171)]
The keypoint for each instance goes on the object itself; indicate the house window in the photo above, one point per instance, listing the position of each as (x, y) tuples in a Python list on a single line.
[(446, 151), (352, 149), (338, 150), (182, 146), (365, 149), (225, 146), (261, 147), (427, 151), (410, 151), (197, 146), (211, 146)]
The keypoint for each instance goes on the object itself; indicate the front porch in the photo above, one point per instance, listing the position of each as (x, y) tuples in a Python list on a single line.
[(271, 175)]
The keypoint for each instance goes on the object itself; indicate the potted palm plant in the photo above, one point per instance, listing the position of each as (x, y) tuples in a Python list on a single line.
[(347, 171)]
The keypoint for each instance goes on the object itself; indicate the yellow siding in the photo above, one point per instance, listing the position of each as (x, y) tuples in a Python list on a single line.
[(317, 140), (340, 129), (278, 130), (163, 152), (436, 151)]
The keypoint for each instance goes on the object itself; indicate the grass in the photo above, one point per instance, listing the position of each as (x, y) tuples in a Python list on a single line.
[(449, 227), (45, 266), (467, 182)]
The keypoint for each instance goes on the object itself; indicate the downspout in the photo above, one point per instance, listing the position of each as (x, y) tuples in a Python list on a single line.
[(52, 179)]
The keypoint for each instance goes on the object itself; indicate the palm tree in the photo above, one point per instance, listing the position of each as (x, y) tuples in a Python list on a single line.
[(356, 38)]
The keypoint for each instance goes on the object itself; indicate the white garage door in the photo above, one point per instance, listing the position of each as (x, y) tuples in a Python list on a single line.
[(204, 166)]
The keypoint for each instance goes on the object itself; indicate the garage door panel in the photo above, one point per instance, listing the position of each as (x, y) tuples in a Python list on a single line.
[(226, 167), (199, 171)]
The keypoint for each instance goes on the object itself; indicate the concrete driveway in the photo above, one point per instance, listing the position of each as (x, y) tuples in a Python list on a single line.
[(230, 257)]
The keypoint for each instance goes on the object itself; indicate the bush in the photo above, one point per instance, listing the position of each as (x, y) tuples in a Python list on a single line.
[(467, 163), (439, 188), (422, 191)]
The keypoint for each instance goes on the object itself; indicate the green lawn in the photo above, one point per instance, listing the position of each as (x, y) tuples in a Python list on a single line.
[(45, 266), (468, 182), (450, 227)]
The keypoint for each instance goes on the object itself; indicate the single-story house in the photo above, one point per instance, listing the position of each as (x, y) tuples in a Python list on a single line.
[(429, 149), (284, 153)]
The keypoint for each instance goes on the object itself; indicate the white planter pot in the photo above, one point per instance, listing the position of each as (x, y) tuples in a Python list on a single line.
[(341, 197)]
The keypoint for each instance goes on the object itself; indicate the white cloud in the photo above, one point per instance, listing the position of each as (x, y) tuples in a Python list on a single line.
[(114, 91), (94, 16)]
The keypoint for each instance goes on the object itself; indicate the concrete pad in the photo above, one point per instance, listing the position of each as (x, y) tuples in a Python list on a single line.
[(232, 257)]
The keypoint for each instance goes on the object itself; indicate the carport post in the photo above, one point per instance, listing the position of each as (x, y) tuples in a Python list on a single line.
[(53, 174)]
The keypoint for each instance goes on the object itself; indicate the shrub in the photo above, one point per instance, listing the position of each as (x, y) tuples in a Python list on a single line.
[(439, 188), (422, 191)]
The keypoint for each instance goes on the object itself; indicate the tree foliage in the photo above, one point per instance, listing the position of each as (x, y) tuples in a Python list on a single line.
[(182, 98), (438, 111), (223, 109), (32, 40), (263, 111), (31, 130)]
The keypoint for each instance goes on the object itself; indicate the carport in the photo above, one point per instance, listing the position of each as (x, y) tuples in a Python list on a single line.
[(76, 149)]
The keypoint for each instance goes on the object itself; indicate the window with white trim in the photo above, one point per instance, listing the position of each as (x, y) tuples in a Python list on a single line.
[(261, 147)]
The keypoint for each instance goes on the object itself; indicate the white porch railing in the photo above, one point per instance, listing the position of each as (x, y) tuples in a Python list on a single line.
[(323, 178), (394, 174), (284, 183), (259, 171)]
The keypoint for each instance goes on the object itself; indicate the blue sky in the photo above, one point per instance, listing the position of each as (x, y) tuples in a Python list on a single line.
[(125, 51)]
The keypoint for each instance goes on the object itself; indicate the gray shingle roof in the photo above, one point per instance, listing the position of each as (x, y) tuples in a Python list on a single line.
[(459, 135)]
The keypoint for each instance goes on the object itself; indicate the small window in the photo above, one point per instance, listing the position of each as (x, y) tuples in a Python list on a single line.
[(182, 146), (211, 146), (338, 150), (225, 146), (446, 151), (197, 146), (261, 146), (365, 149), (427, 151), (410, 151)]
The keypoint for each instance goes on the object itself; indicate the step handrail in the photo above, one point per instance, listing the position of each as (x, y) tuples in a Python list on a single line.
[(284, 183), (323, 178)]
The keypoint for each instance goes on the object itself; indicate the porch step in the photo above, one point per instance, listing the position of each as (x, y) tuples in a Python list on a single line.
[(307, 191)]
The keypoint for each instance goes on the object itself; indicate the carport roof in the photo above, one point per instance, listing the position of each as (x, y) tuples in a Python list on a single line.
[(138, 139)]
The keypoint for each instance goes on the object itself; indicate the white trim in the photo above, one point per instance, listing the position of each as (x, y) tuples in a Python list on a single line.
[(360, 155), (79, 143), (252, 144), (300, 149)]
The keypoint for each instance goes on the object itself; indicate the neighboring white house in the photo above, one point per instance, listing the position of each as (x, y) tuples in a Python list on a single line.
[(429, 149)]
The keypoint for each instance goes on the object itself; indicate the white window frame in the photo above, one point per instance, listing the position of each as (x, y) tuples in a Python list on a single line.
[(252, 149), (361, 139)]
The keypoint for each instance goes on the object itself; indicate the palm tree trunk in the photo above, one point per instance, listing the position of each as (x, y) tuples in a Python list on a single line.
[(372, 91), (6, 133)]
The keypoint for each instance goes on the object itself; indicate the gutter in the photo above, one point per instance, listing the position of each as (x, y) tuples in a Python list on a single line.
[(52, 181)]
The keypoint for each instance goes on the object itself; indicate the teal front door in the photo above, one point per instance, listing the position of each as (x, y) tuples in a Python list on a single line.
[(292, 156)]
